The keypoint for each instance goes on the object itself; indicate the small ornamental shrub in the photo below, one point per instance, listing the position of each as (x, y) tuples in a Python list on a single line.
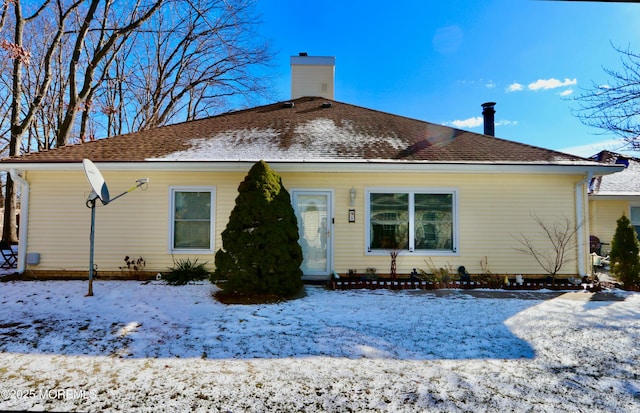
[(133, 265), (185, 271), (625, 262), (260, 254)]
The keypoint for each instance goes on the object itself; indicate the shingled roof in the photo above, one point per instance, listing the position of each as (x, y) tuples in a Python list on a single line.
[(305, 129), (624, 183)]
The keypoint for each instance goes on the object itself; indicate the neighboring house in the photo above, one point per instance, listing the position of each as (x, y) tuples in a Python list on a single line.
[(611, 196), (363, 184)]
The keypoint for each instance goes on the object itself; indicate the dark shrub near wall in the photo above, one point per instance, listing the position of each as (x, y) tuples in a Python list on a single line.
[(625, 262), (260, 253)]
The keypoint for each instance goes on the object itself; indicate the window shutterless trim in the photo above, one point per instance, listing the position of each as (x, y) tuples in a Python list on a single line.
[(172, 196), (410, 250)]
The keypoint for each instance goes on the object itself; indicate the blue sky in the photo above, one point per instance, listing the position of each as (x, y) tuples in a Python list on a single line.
[(439, 60)]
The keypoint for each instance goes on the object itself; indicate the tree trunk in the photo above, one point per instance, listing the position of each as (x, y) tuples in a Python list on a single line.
[(9, 229)]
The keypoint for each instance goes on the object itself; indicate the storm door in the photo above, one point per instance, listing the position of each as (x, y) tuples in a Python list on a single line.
[(315, 225)]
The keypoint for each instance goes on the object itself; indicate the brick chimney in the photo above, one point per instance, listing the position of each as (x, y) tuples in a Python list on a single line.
[(488, 113), (312, 76)]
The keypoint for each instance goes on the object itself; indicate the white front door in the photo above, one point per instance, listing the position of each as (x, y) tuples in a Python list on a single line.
[(315, 224)]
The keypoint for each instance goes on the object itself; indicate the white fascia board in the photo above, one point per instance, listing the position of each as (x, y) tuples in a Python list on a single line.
[(372, 166), (613, 196)]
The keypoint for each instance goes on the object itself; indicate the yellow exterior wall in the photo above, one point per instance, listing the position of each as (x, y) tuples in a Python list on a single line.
[(494, 209), (604, 216), (135, 225)]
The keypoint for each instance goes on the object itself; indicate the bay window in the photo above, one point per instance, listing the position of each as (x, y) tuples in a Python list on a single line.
[(416, 221)]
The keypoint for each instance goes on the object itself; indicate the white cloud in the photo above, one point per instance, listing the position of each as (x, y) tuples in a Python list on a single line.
[(566, 92), (476, 122), (468, 123), (551, 83), (506, 123), (515, 87), (490, 84)]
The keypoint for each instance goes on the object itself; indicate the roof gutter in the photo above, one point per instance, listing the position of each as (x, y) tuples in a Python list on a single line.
[(380, 166), (581, 222), (24, 220), (616, 196)]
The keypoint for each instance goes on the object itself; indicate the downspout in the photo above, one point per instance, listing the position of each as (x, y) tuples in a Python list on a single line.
[(24, 219), (581, 222)]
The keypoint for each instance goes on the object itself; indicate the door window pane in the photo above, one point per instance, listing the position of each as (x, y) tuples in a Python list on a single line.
[(313, 224), (313, 212)]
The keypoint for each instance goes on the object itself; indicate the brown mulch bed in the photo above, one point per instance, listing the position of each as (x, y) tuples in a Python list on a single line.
[(242, 298)]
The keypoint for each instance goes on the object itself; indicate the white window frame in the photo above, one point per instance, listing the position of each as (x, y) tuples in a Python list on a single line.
[(411, 192), (172, 191)]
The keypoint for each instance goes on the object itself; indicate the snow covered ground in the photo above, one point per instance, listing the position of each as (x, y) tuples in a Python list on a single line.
[(151, 347)]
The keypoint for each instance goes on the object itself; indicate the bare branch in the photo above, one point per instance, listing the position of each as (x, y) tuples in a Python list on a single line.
[(614, 107), (560, 237), (83, 69)]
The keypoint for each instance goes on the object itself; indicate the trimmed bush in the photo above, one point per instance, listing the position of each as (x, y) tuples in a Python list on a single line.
[(260, 253), (625, 262)]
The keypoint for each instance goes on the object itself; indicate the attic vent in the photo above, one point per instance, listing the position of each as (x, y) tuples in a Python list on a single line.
[(288, 104), (327, 104)]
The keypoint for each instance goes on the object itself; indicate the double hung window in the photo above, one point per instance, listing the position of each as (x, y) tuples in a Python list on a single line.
[(192, 219), (417, 221)]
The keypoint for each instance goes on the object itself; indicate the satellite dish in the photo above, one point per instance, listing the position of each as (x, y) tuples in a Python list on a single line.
[(100, 190), (96, 181)]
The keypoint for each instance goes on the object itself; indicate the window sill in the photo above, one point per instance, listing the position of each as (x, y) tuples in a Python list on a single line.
[(417, 253), (191, 251)]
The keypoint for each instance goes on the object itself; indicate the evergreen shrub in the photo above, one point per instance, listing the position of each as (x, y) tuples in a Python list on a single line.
[(625, 262), (260, 254)]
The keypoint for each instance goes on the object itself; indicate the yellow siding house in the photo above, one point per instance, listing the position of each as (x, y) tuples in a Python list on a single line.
[(363, 184), (611, 196)]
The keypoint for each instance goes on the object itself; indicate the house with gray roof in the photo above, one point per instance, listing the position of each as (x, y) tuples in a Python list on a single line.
[(611, 196)]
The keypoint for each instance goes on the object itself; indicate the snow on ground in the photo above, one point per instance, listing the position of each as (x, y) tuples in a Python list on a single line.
[(151, 347)]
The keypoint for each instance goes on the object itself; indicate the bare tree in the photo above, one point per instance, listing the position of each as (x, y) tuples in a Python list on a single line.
[(182, 65), (82, 73), (560, 239), (21, 115), (81, 69), (615, 107)]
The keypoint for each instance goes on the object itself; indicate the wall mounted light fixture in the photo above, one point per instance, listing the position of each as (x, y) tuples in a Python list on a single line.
[(352, 196)]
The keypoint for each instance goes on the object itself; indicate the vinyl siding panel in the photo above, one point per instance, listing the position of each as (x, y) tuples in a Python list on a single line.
[(312, 80), (604, 217), (497, 213), (136, 224), (493, 210)]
